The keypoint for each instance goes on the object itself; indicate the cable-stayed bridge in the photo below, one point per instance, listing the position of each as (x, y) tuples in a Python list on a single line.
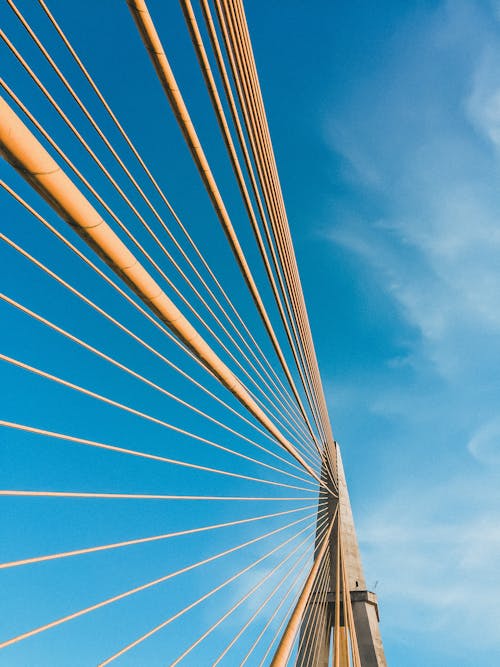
[(172, 489)]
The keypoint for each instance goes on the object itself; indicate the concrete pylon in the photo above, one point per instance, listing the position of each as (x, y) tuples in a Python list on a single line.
[(363, 602)]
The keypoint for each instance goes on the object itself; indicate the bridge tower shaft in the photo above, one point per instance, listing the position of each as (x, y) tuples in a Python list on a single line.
[(317, 632)]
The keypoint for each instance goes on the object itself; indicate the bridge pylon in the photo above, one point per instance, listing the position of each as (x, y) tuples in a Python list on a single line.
[(340, 625)]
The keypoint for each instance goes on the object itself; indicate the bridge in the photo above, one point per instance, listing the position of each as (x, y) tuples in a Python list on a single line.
[(160, 381)]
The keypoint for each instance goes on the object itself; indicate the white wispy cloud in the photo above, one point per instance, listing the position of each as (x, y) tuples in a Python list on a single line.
[(438, 576), (436, 249), (484, 445)]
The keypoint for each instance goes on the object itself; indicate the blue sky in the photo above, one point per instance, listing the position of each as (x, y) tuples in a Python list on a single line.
[(412, 221), (386, 126), (399, 118)]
